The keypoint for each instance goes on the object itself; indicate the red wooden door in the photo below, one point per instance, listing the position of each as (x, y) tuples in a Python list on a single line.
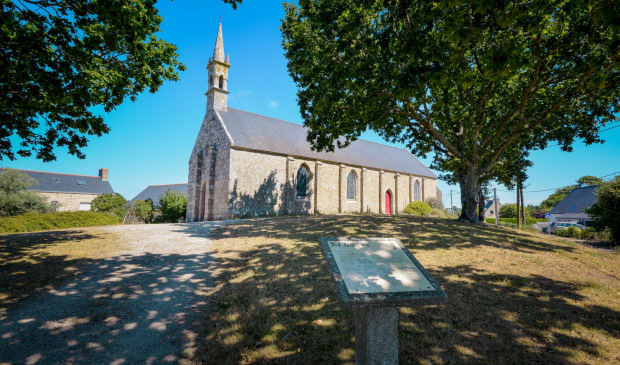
[(388, 202)]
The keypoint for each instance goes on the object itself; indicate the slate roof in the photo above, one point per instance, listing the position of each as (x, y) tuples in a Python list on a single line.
[(258, 132), (155, 192), (576, 201), (54, 182)]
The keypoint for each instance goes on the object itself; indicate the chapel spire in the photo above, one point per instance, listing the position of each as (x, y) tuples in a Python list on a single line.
[(218, 75), (218, 51)]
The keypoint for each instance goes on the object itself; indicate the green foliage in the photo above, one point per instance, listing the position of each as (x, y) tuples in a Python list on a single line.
[(62, 59), (436, 212), (529, 220), (589, 180), (14, 199), (435, 203), (173, 205), (477, 83), (113, 204), (510, 211), (418, 208), (606, 211), (31, 222), (144, 210)]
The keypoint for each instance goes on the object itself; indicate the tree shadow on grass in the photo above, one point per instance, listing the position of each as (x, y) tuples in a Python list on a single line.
[(276, 302), (123, 309)]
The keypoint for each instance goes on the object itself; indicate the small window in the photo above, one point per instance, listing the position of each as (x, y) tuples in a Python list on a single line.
[(351, 185), (56, 180), (302, 182), (417, 194), (221, 82), (84, 205), (491, 212), (81, 182)]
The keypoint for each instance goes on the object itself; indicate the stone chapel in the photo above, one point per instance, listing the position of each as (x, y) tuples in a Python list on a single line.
[(244, 164)]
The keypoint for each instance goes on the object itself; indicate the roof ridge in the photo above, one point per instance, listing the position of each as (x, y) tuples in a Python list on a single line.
[(46, 172), (303, 126), (168, 184)]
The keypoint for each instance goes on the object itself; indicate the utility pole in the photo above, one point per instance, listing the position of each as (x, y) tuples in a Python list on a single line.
[(495, 206), (451, 206), (524, 220), (518, 206)]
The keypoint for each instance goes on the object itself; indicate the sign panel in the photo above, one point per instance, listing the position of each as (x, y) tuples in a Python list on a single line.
[(547, 216), (376, 267), (377, 270)]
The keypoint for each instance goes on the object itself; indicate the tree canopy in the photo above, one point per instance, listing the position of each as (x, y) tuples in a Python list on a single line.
[(14, 198), (606, 211), (477, 83), (61, 58)]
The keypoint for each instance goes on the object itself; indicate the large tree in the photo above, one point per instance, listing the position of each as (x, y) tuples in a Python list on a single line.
[(475, 82), (61, 58)]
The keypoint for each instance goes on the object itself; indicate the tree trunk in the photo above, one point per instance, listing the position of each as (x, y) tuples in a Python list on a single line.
[(481, 205), (468, 181)]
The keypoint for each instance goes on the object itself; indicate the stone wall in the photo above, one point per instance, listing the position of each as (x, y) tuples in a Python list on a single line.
[(207, 185), (68, 202)]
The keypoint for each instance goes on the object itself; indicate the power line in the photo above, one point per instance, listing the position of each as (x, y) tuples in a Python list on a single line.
[(538, 191)]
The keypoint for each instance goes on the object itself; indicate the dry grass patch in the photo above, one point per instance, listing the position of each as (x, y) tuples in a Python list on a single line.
[(513, 297), (29, 261)]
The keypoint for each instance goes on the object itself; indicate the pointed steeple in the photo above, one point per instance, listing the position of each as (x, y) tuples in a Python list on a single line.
[(218, 52), (218, 75)]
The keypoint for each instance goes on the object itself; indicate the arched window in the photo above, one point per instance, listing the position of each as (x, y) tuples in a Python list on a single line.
[(221, 82), (302, 182), (351, 184), (417, 194)]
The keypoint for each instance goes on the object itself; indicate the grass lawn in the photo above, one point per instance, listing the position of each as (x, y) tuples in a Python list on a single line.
[(29, 261), (513, 297)]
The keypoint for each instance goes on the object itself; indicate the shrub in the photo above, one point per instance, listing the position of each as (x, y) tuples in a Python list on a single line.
[(143, 210), (30, 222), (173, 205), (418, 208), (15, 199), (574, 232), (437, 212), (113, 204), (435, 203), (588, 233), (564, 232)]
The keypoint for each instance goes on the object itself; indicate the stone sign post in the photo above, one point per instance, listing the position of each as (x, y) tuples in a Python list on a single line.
[(374, 276)]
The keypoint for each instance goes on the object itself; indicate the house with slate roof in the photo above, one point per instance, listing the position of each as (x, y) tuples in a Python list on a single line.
[(155, 192), (571, 208), (490, 209), (245, 164), (67, 192)]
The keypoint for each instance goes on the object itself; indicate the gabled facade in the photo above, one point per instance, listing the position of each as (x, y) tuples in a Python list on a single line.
[(245, 164), (491, 210)]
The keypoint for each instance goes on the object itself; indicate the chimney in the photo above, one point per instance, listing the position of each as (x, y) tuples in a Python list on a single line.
[(103, 174)]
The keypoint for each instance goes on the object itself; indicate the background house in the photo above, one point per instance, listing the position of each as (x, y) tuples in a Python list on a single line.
[(490, 211), (67, 192), (155, 192), (571, 208)]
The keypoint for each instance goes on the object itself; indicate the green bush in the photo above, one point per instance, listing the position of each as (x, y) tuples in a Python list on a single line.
[(529, 220), (143, 210), (173, 205), (589, 233), (574, 232), (113, 204), (418, 208), (564, 232), (30, 222)]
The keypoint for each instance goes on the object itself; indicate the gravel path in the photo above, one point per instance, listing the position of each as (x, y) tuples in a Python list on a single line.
[(139, 307)]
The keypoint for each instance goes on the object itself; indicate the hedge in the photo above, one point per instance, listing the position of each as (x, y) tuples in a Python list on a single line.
[(530, 220), (30, 222)]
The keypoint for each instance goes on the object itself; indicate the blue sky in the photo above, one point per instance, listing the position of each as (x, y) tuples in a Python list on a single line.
[(151, 139)]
